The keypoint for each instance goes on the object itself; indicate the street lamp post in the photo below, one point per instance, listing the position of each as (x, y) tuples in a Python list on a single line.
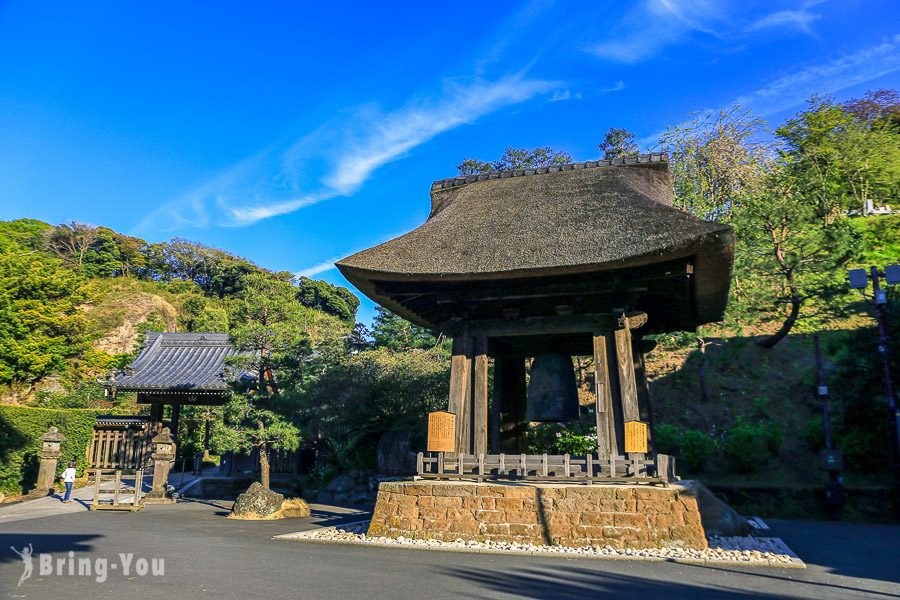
[(858, 279)]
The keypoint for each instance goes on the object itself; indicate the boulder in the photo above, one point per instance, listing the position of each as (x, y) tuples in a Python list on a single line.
[(717, 517), (394, 454), (257, 500)]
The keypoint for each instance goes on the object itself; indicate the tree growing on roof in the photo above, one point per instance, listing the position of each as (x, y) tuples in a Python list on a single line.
[(515, 158), (618, 143)]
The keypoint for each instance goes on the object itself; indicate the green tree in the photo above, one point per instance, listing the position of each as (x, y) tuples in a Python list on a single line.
[(40, 325), (618, 143), (396, 333), (334, 300), (515, 158), (789, 251), (359, 398), (716, 161), (843, 159), (71, 242), (266, 330)]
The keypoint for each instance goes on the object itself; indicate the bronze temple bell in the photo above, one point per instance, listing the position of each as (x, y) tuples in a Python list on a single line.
[(552, 393)]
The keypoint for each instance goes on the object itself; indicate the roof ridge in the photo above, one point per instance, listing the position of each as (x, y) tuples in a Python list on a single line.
[(635, 159)]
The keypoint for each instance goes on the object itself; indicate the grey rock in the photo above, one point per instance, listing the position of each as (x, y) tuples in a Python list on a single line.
[(257, 500), (394, 454)]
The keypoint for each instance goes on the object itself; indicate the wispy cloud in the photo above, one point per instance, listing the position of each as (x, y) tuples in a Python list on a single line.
[(799, 19), (328, 265), (340, 156), (654, 25), (852, 69), (317, 269), (792, 90), (616, 87)]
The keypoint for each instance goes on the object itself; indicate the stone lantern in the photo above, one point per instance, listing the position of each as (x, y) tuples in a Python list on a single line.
[(163, 458), (49, 455)]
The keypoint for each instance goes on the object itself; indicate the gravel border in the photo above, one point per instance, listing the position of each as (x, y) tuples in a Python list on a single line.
[(728, 551)]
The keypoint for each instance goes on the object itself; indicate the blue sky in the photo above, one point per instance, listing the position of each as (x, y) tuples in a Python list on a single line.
[(294, 135)]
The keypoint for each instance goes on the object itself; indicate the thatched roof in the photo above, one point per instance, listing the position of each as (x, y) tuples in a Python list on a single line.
[(576, 218), (178, 363)]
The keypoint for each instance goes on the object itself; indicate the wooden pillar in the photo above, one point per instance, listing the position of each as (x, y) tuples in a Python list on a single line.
[(643, 393), (494, 420), (176, 416), (480, 397), (156, 416), (627, 380), (607, 443), (461, 390), (617, 423), (510, 396)]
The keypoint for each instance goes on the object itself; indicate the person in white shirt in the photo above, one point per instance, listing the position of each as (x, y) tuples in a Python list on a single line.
[(68, 478)]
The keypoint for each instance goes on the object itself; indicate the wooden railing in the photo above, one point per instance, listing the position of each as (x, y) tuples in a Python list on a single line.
[(547, 467)]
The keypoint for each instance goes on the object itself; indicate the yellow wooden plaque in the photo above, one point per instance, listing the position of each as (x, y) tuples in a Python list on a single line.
[(441, 431), (636, 434)]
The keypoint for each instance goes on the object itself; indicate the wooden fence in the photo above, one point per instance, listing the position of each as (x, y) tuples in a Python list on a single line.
[(121, 446), (634, 468)]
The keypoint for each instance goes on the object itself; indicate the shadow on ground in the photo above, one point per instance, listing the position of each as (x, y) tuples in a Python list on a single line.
[(44, 542), (579, 583)]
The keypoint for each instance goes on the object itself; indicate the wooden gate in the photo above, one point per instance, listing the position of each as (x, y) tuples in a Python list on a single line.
[(121, 443)]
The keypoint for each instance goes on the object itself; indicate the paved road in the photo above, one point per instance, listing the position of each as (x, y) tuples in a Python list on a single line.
[(208, 556)]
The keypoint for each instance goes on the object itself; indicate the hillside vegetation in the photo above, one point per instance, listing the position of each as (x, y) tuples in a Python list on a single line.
[(75, 300)]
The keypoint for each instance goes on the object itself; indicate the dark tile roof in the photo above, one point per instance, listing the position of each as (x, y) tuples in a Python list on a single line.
[(180, 362)]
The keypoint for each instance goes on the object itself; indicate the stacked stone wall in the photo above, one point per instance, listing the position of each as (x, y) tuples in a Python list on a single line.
[(621, 516)]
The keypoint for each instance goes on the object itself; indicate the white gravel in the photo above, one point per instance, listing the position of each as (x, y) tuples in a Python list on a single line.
[(735, 551)]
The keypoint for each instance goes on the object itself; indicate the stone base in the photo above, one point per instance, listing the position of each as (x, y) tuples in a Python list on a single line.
[(158, 500), (40, 493), (620, 516)]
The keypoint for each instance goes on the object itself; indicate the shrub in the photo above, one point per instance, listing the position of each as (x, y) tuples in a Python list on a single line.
[(360, 397), (691, 447), (696, 448), (751, 445), (667, 438), (814, 433), (867, 449), (20, 428), (576, 439)]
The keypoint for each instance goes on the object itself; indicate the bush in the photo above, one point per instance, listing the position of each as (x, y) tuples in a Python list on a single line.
[(667, 438), (751, 445), (691, 447), (867, 449), (576, 439), (360, 397), (814, 433), (86, 395), (20, 428)]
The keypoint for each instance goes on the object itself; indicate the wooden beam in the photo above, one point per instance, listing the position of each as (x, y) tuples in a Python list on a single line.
[(480, 397), (559, 324), (461, 390), (633, 320)]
